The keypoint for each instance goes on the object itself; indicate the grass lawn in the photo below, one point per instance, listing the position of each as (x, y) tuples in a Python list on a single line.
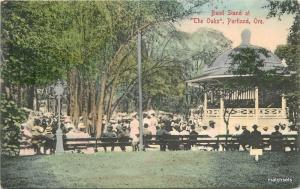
[(153, 169)]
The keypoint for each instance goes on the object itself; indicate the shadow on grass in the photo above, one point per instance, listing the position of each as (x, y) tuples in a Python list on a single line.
[(27, 172)]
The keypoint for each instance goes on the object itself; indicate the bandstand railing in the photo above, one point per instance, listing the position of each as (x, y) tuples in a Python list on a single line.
[(248, 112), (271, 112)]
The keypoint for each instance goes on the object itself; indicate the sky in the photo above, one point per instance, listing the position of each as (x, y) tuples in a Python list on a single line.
[(269, 34)]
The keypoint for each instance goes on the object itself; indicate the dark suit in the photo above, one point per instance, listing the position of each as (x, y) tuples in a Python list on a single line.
[(244, 138), (256, 139), (276, 141)]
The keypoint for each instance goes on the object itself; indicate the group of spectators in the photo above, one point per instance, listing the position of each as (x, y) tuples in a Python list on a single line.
[(125, 129), (254, 139)]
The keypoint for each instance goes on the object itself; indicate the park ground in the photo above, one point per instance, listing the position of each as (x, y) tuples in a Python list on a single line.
[(152, 169)]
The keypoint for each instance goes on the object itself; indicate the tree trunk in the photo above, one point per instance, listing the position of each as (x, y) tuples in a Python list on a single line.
[(101, 105), (74, 110), (36, 99), (19, 96), (30, 97), (111, 96), (149, 103), (93, 107)]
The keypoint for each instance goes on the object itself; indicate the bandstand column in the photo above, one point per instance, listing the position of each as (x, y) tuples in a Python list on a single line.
[(221, 106), (222, 124), (256, 105), (283, 105), (205, 104)]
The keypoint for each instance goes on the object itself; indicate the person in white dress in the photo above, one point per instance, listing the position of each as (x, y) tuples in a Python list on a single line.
[(134, 131), (153, 122)]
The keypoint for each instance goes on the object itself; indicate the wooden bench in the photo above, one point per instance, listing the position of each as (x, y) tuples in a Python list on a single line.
[(228, 142), (84, 143)]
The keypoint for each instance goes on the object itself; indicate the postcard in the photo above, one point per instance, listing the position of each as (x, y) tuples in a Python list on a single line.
[(150, 94)]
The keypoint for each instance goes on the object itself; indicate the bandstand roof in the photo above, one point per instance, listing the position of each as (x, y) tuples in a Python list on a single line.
[(220, 68)]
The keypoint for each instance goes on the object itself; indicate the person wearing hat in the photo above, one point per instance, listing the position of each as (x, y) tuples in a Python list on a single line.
[(276, 140), (244, 137), (161, 134), (25, 135), (193, 135), (283, 128), (123, 136), (109, 136), (134, 131), (265, 131), (211, 130), (255, 138), (174, 145), (37, 136), (236, 137), (153, 122), (237, 130), (147, 135), (81, 125), (147, 119), (185, 133), (90, 125), (292, 129)]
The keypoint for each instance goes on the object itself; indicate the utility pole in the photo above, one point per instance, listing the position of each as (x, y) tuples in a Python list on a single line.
[(139, 61)]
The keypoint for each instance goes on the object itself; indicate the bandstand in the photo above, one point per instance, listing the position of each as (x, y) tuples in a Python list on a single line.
[(255, 105)]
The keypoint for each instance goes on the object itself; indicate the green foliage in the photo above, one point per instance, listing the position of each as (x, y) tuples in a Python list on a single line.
[(290, 53), (11, 119), (30, 48), (280, 7), (45, 41), (248, 65), (169, 58), (291, 7)]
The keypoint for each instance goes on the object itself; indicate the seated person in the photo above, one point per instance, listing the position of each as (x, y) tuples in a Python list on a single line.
[(193, 136), (174, 138), (256, 139), (123, 136), (109, 136), (161, 133), (276, 140), (25, 136), (147, 135), (244, 138)]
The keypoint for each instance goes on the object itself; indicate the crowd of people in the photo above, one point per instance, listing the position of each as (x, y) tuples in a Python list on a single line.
[(40, 131), (175, 126)]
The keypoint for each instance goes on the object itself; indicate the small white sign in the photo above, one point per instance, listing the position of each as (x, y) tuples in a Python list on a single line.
[(256, 153)]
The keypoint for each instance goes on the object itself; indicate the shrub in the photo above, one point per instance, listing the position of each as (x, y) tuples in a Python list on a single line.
[(11, 117)]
